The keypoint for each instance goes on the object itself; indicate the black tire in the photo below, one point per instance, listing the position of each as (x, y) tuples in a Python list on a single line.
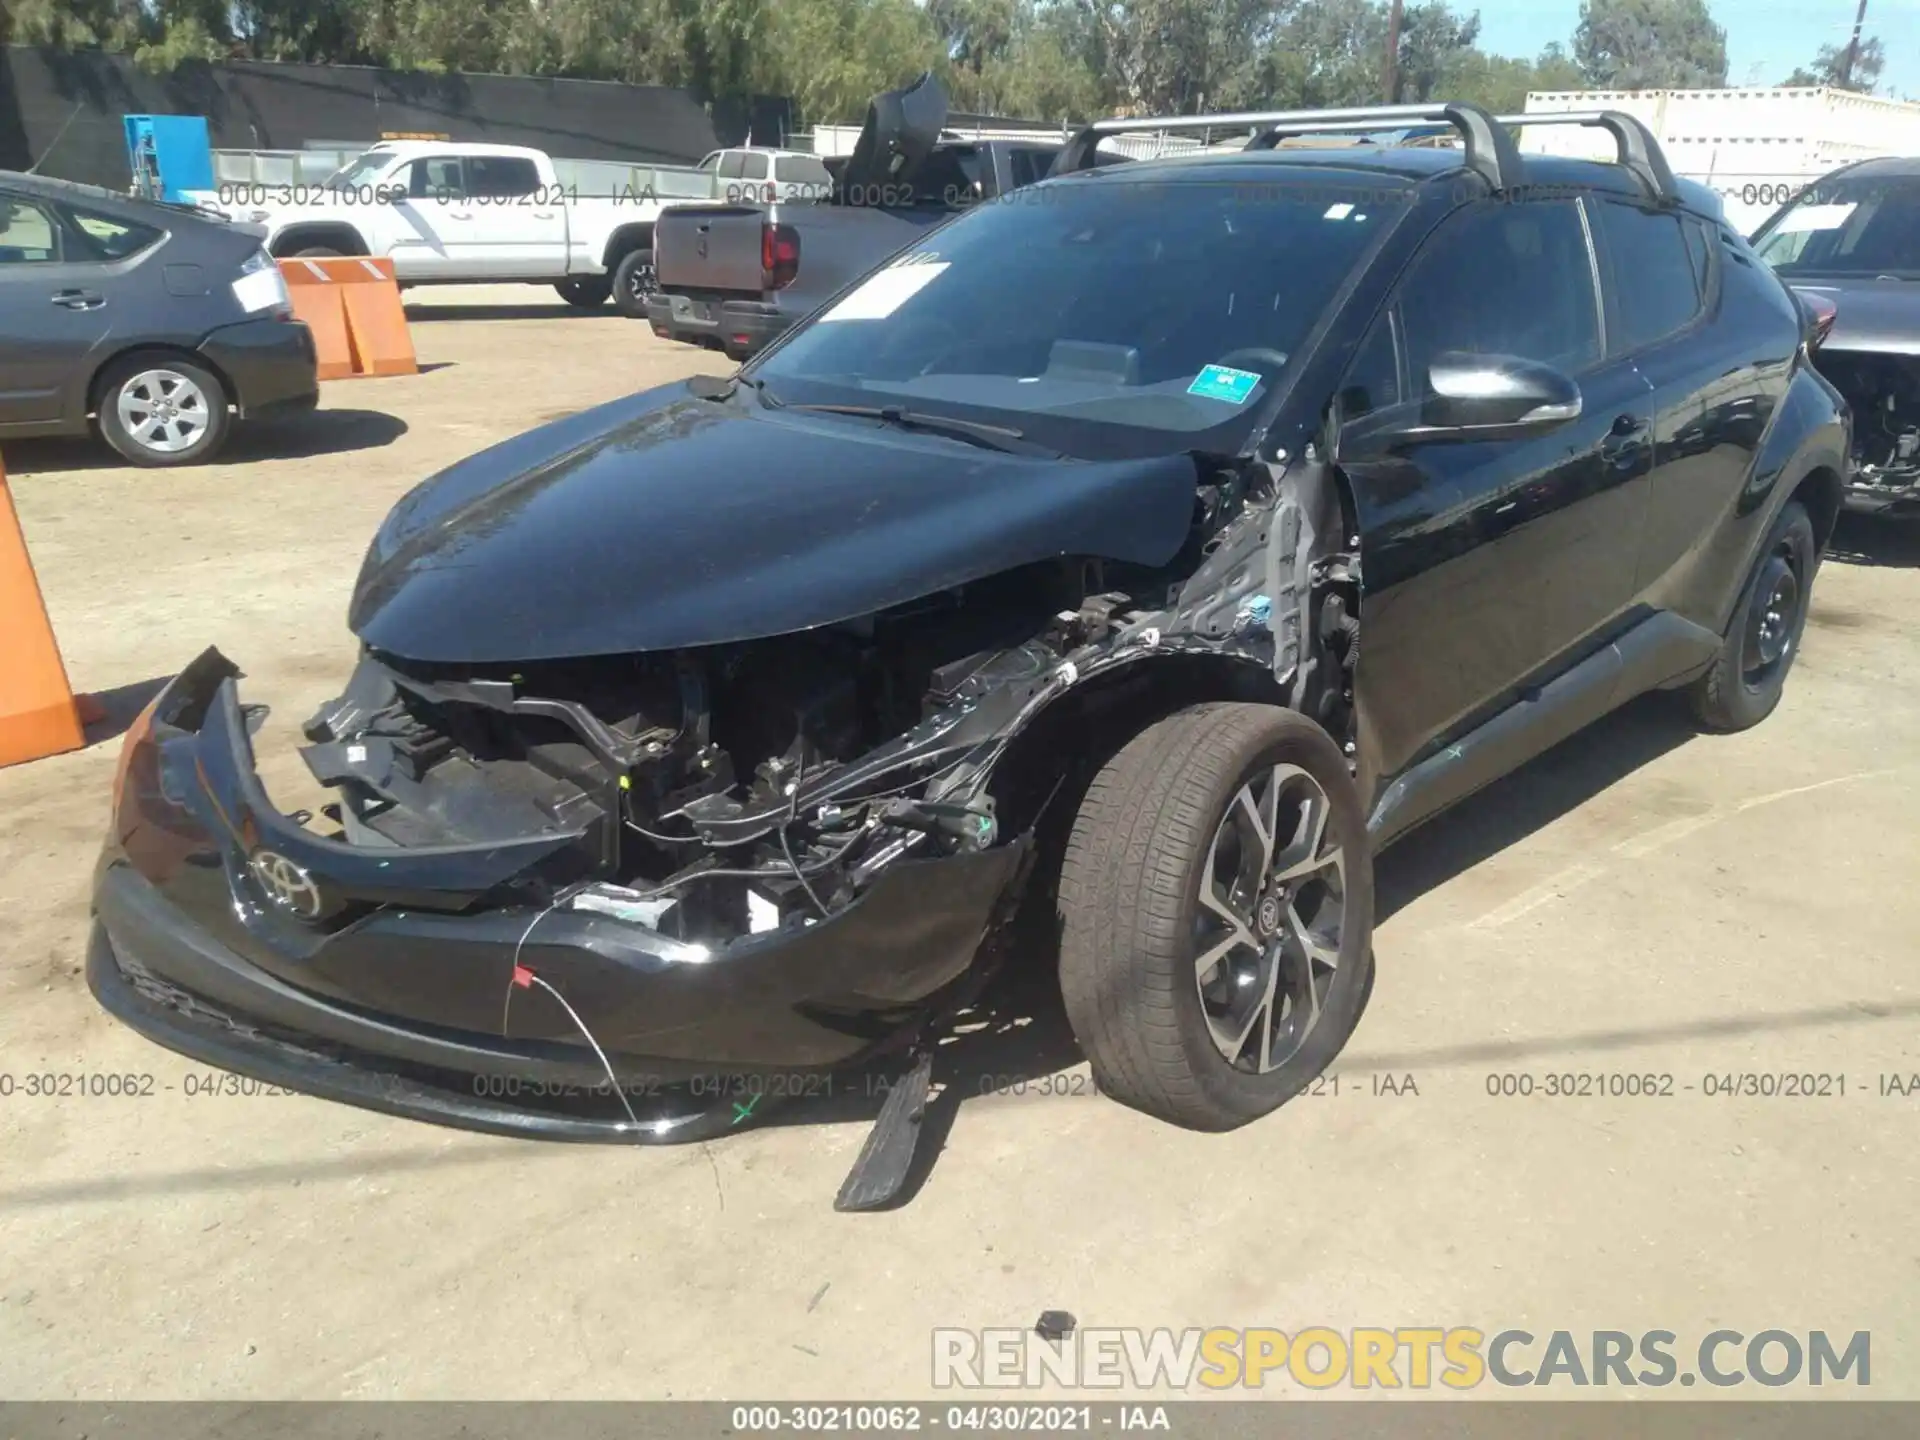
[(633, 282), (1750, 672), (585, 292), (318, 252), (161, 410), (1133, 927)]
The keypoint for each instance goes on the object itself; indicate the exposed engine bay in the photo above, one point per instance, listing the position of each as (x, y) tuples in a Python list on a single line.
[(1884, 392), (726, 791)]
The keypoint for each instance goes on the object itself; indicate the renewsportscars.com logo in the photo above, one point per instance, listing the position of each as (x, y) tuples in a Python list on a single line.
[(1405, 1357)]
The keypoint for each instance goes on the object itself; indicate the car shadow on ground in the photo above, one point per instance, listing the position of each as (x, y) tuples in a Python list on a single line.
[(293, 437), (1532, 797), (1868, 540), (1016, 1044)]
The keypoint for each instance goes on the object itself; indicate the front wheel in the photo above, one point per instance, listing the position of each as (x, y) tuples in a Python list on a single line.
[(1216, 911), (163, 410), (1750, 672), (633, 282)]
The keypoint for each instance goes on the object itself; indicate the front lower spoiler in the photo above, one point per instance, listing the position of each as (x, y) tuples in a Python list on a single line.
[(406, 1007), (190, 1024)]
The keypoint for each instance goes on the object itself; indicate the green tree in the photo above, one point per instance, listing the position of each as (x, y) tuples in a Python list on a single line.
[(1557, 70), (833, 56), (1830, 64), (1178, 56), (1649, 45), (1034, 58), (1434, 44), (80, 24)]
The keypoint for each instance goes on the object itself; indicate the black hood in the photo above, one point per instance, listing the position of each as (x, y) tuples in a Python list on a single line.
[(902, 128), (662, 521)]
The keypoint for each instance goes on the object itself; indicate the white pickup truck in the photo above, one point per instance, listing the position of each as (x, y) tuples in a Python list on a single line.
[(448, 213)]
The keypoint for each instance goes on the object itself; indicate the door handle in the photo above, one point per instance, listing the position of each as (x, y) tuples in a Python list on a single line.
[(543, 214), (460, 215), (79, 299)]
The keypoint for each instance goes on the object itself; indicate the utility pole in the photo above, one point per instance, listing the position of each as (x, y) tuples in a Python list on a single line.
[(1390, 69), (1853, 47)]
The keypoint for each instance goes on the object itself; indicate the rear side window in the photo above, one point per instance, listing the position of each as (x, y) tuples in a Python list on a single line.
[(1503, 279), (730, 165), (1652, 274), (27, 233), (502, 176), (802, 170), (101, 238), (753, 167)]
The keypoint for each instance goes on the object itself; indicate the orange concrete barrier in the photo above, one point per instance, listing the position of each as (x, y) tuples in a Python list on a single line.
[(352, 305), (38, 715)]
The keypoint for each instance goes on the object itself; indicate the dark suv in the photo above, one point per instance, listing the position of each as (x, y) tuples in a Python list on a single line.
[(156, 322), (1155, 543)]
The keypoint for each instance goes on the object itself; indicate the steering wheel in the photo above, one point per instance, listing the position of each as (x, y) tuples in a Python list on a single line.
[(1265, 357)]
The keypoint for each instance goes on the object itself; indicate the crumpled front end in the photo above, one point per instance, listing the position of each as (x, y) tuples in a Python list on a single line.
[(1883, 392), (517, 904), (598, 896)]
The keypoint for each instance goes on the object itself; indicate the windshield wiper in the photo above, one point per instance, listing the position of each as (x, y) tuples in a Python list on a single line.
[(717, 387), (974, 432)]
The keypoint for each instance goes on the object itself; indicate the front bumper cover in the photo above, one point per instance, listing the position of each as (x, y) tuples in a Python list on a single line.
[(402, 998)]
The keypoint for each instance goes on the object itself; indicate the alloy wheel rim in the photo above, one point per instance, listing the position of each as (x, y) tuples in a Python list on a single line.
[(1270, 920), (640, 281), (163, 410)]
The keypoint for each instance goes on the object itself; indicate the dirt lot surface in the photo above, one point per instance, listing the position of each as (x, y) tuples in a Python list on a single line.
[(1642, 901)]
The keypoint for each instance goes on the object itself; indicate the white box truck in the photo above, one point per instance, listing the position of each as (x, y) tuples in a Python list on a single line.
[(1757, 147)]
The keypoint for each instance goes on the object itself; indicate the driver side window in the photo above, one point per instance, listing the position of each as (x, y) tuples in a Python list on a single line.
[(1495, 279)]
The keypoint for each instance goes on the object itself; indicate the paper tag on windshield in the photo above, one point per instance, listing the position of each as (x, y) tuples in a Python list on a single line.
[(1219, 382), (884, 292), (1814, 217)]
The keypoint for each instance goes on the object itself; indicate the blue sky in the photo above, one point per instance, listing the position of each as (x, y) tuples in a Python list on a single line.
[(1765, 38)]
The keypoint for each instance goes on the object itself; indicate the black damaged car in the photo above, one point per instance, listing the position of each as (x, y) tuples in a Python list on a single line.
[(1160, 542), (1849, 245)]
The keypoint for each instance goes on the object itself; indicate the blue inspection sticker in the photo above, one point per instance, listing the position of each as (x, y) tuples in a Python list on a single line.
[(1217, 382)]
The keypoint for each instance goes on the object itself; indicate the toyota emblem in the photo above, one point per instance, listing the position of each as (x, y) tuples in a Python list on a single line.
[(286, 883)]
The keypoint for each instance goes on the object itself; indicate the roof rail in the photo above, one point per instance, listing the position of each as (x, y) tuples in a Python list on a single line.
[(1490, 149), (1640, 152)]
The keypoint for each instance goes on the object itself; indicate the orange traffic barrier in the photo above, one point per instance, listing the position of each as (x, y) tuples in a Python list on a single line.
[(38, 715), (352, 305)]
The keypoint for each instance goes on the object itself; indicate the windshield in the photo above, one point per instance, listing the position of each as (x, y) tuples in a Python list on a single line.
[(1850, 225), (361, 170), (1102, 316)]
